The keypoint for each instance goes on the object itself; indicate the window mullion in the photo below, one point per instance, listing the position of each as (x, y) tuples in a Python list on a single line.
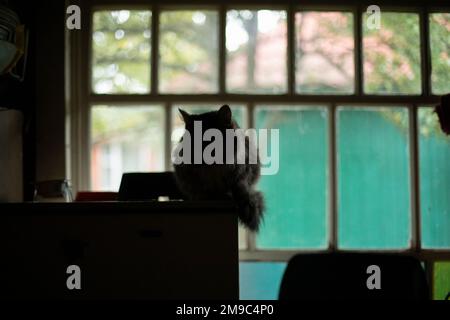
[(414, 173), (222, 49), (84, 172), (425, 52), (291, 64), (358, 38), (155, 50), (332, 168)]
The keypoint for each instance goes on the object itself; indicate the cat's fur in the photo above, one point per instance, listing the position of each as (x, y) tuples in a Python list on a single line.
[(222, 181)]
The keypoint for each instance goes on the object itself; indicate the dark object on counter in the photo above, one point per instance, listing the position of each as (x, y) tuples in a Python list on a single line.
[(53, 191), (443, 112), (144, 186)]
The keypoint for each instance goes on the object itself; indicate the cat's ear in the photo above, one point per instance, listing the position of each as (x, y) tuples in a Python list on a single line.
[(185, 115), (225, 114)]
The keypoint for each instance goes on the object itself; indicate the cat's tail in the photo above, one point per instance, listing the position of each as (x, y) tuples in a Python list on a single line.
[(251, 207)]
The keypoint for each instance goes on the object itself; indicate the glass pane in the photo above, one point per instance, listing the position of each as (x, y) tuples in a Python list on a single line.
[(188, 52), (260, 280), (121, 51), (324, 49), (441, 281), (242, 237), (256, 43), (373, 178), (392, 54), (434, 164), (296, 197), (440, 52), (125, 139)]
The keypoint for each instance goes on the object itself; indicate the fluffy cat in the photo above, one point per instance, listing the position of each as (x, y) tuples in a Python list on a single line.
[(222, 181)]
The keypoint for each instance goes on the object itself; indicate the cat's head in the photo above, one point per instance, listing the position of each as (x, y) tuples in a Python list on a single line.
[(221, 119)]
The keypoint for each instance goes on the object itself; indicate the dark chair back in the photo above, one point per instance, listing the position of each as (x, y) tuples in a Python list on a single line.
[(144, 186), (346, 276)]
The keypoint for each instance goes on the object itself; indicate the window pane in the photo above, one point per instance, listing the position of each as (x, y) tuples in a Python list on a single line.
[(121, 51), (188, 52), (324, 49), (242, 237), (125, 139), (392, 54), (373, 178), (260, 280), (440, 52), (296, 197), (434, 164), (256, 44), (441, 281)]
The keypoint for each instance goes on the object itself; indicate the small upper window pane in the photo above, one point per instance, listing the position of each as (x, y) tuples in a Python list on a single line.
[(392, 54), (324, 49), (256, 43), (121, 52), (188, 52), (440, 52)]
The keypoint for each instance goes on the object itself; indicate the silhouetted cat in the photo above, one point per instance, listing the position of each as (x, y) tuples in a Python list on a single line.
[(221, 181)]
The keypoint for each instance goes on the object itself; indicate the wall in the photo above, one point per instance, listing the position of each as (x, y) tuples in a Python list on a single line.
[(50, 115), (41, 95)]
